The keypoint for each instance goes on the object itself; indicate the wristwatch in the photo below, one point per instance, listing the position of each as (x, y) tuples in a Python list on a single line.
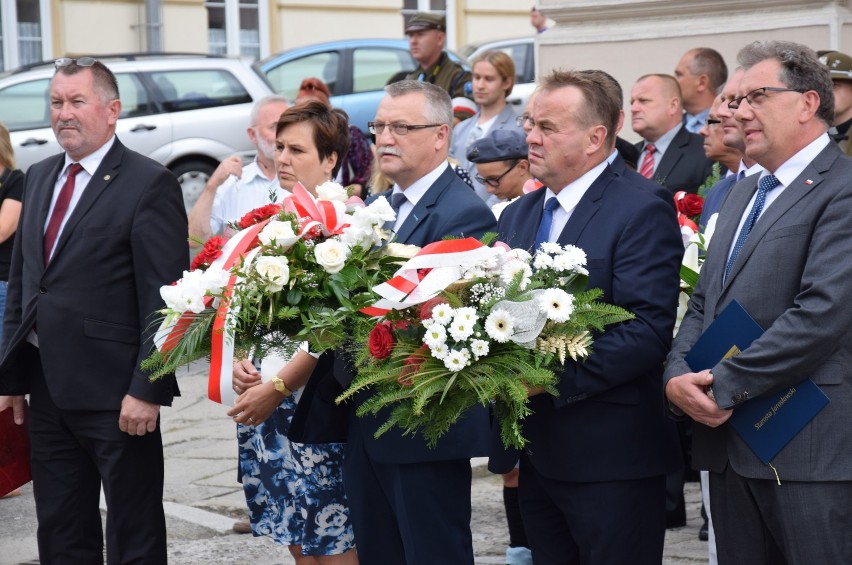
[(281, 387)]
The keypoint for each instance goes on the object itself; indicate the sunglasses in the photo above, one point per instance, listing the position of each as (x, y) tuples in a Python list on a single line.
[(81, 62)]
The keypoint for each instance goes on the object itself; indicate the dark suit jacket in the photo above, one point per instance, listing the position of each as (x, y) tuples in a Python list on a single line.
[(448, 208), (714, 198), (93, 303), (619, 167), (608, 421), (684, 165), (794, 277)]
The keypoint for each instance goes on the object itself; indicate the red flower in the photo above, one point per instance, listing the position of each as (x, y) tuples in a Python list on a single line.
[(210, 252), (690, 205), (380, 341), (258, 215), (411, 365), (425, 309)]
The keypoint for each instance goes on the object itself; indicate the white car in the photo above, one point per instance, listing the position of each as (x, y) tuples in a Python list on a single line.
[(185, 111), (522, 52)]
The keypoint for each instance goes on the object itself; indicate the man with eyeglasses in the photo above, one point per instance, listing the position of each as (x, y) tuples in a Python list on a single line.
[(101, 229), (409, 504), (780, 250), (592, 482), (501, 165)]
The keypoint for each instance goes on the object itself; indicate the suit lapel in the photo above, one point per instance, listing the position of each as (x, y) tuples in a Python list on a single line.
[(422, 209), (673, 154), (43, 204), (586, 209)]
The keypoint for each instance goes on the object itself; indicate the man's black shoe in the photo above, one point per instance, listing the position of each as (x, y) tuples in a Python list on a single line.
[(702, 532)]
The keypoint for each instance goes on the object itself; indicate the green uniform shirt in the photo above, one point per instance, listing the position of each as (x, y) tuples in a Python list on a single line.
[(447, 74)]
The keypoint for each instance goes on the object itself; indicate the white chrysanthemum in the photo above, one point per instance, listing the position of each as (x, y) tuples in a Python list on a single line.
[(467, 314), (333, 191), (576, 256), (479, 348), (461, 328), (551, 247), (435, 334), (439, 351), (542, 261), (457, 359), (557, 304), (499, 325), (442, 314), (511, 269), (278, 232)]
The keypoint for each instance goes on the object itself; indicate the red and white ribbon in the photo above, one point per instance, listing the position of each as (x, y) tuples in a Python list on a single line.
[(326, 215), (411, 285)]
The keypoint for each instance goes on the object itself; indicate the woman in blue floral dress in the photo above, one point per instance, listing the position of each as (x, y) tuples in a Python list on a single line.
[(294, 491)]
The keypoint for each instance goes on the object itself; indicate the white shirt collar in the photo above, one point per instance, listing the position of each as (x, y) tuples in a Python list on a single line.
[(793, 167)]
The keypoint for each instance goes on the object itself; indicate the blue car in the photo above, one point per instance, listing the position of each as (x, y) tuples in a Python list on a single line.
[(355, 70)]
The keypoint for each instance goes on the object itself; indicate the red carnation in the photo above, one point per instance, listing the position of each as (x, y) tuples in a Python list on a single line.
[(211, 251), (380, 341), (258, 215), (411, 365), (690, 205)]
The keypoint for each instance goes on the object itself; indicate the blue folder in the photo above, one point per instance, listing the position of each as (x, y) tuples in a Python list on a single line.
[(766, 423)]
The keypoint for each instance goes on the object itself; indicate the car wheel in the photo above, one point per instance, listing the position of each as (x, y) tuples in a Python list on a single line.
[(192, 176)]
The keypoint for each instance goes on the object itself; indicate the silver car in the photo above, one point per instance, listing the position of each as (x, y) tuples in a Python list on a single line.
[(185, 111)]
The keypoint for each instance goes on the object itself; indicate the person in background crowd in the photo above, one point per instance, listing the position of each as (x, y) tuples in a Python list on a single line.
[(840, 67), (294, 491), (102, 228), (11, 193), (538, 20), (234, 189), (780, 250), (427, 35), (493, 80), (701, 72), (669, 154), (501, 166)]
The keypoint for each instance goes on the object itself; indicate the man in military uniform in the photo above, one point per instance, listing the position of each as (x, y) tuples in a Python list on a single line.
[(840, 66), (427, 36)]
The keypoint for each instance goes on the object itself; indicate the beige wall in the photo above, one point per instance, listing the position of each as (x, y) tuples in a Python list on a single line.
[(99, 27), (302, 24), (191, 35), (486, 20)]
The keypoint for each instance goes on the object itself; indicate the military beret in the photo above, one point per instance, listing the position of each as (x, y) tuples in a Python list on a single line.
[(500, 145), (839, 64), (426, 20)]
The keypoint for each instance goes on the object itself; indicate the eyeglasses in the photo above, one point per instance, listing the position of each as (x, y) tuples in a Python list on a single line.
[(494, 181), (521, 120), (712, 122), (81, 62), (757, 97), (376, 128)]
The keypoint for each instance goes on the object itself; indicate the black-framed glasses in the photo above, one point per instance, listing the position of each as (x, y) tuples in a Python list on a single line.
[(712, 122), (81, 62), (376, 128), (757, 97), (521, 120), (494, 181)]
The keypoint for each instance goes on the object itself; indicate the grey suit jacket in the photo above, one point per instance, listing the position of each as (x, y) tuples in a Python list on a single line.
[(458, 148), (684, 165), (794, 276)]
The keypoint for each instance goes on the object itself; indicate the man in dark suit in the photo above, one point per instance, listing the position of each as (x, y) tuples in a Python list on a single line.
[(102, 228), (669, 153), (409, 504), (592, 477), (781, 250)]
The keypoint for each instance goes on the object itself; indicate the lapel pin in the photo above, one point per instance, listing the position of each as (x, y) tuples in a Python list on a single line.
[(809, 181)]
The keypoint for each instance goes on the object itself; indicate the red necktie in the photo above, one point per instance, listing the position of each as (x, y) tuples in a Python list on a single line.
[(647, 168), (59, 210)]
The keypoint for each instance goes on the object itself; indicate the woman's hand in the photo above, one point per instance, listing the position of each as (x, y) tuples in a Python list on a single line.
[(244, 376), (256, 404)]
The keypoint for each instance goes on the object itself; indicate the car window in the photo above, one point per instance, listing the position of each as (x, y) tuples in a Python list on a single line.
[(287, 77), (25, 105), (372, 67), (134, 97), (194, 89), (518, 53)]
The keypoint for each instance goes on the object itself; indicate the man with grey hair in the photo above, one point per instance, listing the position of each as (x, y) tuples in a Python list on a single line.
[(409, 503), (780, 250), (234, 189), (700, 73)]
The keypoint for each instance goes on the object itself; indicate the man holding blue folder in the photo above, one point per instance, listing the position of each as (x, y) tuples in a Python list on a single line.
[(781, 250)]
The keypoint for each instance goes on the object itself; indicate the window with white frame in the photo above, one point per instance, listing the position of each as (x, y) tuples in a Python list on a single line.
[(233, 27), (24, 32)]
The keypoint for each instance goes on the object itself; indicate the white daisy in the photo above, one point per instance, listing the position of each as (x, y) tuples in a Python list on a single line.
[(467, 314), (457, 359), (499, 325), (542, 261), (576, 256), (479, 348), (512, 268), (557, 304), (461, 329), (439, 350), (435, 334), (551, 247), (442, 313)]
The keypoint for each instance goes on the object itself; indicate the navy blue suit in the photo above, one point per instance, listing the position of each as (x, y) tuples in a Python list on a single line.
[(606, 430), (714, 199), (409, 504)]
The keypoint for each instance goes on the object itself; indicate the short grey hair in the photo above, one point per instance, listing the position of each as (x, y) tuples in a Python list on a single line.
[(800, 70), (259, 105), (439, 106), (707, 61)]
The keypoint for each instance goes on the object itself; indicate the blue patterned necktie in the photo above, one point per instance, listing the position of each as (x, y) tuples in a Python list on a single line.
[(765, 184), (543, 232), (397, 200)]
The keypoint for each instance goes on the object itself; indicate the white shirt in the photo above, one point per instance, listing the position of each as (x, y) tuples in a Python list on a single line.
[(415, 192), (237, 196), (569, 197)]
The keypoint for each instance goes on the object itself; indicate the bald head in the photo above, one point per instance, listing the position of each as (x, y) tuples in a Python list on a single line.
[(655, 106)]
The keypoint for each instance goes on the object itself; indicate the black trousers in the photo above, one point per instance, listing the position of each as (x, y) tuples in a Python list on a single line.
[(73, 453)]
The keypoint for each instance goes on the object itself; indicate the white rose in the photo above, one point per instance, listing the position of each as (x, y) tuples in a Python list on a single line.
[(279, 232), (331, 255), (332, 191), (274, 270)]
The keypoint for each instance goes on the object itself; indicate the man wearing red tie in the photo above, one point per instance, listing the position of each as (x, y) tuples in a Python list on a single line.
[(101, 229)]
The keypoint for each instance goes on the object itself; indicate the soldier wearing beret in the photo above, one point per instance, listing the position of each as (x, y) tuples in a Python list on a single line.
[(427, 34), (501, 164), (840, 67)]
